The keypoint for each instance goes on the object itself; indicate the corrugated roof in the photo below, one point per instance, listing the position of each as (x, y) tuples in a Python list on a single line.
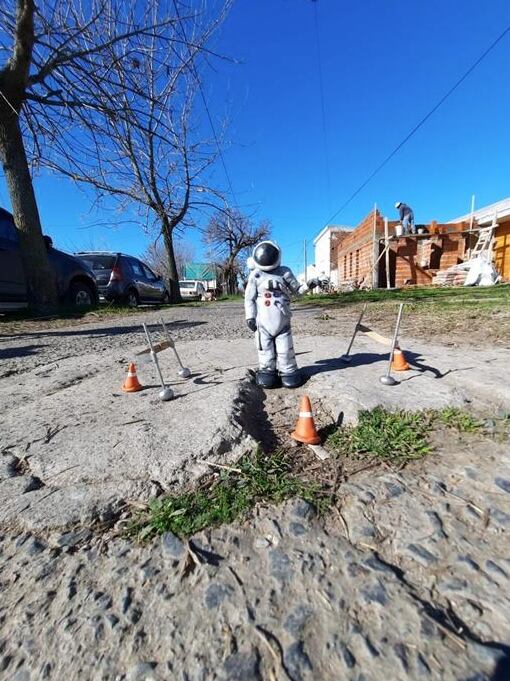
[(200, 271), (484, 215)]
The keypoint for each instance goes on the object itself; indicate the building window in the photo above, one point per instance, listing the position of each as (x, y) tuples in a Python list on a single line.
[(350, 265), (357, 264), (345, 266)]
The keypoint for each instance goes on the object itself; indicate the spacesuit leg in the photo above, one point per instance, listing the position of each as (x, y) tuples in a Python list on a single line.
[(287, 365), (266, 375)]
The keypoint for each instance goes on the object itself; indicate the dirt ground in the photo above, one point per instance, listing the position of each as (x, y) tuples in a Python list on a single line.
[(468, 325)]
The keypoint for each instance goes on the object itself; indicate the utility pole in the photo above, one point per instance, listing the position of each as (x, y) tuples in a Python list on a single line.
[(305, 259), (387, 252)]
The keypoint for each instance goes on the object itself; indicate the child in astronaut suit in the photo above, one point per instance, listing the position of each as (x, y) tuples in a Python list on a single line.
[(267, 308)]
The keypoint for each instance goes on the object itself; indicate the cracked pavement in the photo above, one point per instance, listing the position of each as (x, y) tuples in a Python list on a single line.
[(407, 578)]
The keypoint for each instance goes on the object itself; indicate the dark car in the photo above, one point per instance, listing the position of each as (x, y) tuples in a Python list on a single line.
[(76, 283), (124, 279)]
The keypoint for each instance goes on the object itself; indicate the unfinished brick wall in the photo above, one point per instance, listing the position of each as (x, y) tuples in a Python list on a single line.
[(408, 263), (355, 252), (413, 260), (337, 238), (419, 258)]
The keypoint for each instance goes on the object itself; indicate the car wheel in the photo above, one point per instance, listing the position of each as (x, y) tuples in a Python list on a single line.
[(132, 298), (166, 298), (81, 294)]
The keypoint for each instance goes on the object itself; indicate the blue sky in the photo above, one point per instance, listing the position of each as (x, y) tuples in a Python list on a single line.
[(384, 64)]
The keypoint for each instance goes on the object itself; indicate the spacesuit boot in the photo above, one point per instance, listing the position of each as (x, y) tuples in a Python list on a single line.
[(267, 379)]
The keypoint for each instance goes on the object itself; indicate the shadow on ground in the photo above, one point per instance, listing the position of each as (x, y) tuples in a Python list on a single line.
[(24, 351), (415, 360), (111, 330)]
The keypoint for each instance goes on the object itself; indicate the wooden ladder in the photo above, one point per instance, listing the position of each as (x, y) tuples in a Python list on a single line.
[(483, 245)]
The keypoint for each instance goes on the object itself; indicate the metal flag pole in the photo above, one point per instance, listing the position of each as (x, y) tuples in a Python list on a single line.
[(184, 372), (347, 358), (165, 393), (388, 379)]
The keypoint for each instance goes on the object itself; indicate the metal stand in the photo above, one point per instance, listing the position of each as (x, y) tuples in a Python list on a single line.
[(388, 379), (347, 358), (184, 372), (165, 393)]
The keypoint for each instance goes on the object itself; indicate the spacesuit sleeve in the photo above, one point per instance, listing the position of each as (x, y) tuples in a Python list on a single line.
[(250, 296), (293, 283)]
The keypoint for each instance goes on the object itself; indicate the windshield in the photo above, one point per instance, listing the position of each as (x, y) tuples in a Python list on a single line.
[(98, 262), (187, 284)]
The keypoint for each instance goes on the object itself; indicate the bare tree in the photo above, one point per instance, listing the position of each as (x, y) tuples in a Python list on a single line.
[(231, 235), (155, 255), (76, 77)]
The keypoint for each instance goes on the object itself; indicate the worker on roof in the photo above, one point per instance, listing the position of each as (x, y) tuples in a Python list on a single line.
[(406, 218)]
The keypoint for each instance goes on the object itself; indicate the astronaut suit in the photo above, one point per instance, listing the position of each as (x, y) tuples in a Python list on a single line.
[(267, 308)]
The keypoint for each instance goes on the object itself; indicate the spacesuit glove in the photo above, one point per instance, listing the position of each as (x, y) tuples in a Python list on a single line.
[(251, 324)]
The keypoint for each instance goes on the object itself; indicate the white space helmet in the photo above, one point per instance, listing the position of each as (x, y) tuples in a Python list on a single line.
[(266, 255), (398, 204)]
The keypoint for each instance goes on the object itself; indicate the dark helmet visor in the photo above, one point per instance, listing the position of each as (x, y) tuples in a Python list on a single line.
[(266, 255)]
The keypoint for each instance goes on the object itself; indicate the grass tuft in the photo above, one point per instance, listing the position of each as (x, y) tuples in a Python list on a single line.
[(397, 437), (444, 296), (458, 419), (258, 477)]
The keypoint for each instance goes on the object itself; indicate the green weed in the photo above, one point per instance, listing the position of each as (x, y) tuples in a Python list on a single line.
[(256, 477), (458, 419), (397, 437)]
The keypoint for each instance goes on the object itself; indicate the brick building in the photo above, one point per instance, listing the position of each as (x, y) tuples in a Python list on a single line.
[(412, 260)]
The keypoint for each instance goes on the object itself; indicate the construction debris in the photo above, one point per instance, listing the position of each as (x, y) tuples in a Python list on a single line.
[(475, 272)]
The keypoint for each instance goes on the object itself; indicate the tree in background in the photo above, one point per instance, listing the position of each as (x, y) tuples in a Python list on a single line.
[(155, 256), (231, 235), (102, 91)]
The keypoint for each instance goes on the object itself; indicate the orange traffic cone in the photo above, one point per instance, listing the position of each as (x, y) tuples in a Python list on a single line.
[(305, 427), (132, 384), (399, 361)]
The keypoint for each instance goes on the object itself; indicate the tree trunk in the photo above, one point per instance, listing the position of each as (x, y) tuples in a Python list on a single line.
[(230, 275), (173, 273), (232, 283), (41, 281)]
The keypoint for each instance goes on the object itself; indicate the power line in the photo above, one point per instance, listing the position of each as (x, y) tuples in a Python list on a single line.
[(419, 125), (204, 101)]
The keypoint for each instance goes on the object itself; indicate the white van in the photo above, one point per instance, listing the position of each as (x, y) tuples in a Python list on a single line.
[(191, 289)]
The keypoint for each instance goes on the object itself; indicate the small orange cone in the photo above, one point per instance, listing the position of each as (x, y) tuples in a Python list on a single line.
[(132, 384), (399, 361), (305, 427)]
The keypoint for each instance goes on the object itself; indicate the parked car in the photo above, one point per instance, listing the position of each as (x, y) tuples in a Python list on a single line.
[(191, 290), (124, 279), (76, 284)]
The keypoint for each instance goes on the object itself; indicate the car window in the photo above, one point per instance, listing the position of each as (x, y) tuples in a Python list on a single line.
[(149, 273), (137, 268), (8, 230), (98, 262), (186, 284)]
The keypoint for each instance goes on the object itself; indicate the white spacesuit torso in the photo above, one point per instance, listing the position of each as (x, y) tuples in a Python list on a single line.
[(267, 298)]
